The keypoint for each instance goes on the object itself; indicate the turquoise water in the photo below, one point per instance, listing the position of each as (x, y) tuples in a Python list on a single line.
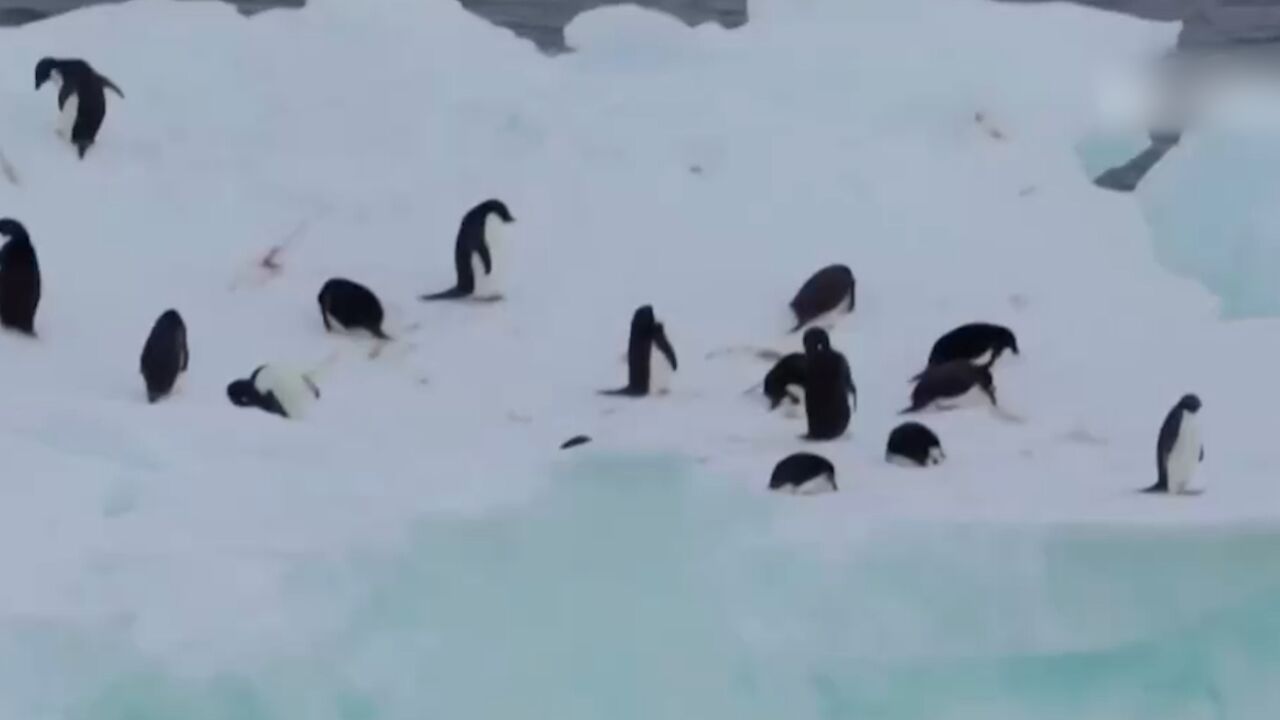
[(632, 589)]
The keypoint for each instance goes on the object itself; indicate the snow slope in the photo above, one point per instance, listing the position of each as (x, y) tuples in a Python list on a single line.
[(706, 172)]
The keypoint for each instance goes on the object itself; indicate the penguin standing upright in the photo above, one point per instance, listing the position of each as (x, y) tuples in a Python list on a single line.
[(275, 389), (651, 361), (165, 355), (19, 278), (826, 294), (350, 306), (1179, 448), (82, 98), (828, 385), (477, 254)]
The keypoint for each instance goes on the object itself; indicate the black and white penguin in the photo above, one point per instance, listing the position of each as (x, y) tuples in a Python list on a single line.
[(803, 474), (1179, 448), (912, 444), (350, 306), (19, 278), (978, 343), (165, 355), (82, 98), (477, 254), (830, 292), (784, 383), (952, 385), (828, 385), (278, 390), (651, 361)]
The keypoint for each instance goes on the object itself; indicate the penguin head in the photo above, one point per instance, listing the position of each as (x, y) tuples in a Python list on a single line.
[(644, 317), (13, 230), (242, 393), (495, 207), (816, 340), (170, 318), (1006, 340), (1189, 403), (47, 69)]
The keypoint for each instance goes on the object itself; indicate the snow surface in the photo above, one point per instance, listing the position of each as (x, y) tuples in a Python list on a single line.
[(705, 171)]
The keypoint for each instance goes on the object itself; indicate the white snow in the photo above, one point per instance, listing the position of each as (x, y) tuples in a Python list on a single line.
[(704, 171)]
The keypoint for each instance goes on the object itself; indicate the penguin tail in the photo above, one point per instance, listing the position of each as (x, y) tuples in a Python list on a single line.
[(378, 333), (453, 293)]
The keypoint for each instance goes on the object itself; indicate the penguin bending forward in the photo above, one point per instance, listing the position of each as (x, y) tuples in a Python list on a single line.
[(165, 355), (803, 474), (651, 361), (828, 292), (828, 385), (785, 382), (950, 385), (82, 98), (477, 254), (912, 444), (350, 306), (277, 390), (1179, 449), (19, 278), (978, 343)]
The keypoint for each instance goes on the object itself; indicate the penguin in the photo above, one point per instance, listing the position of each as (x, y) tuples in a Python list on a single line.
[(350, 306), (165, 355), (828, 292), (979, 343), (1179, 449), (828, 385), (785, 380), (949, 385), (477, 253), (82, 98), (803, 474), (912, 444), (19, 278), (651, 361), (277, 390)]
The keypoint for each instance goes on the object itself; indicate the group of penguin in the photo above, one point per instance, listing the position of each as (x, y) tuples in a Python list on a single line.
[(959, 367)]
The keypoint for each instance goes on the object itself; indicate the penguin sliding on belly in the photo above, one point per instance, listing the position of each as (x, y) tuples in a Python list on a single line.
[(951, 385), (165, 355), (803, 474), (274, 389), (82, 98), (477, 254), (651, 361), (977, 343), (829, 292), (19, 279), (1179, 449), (912, 444)]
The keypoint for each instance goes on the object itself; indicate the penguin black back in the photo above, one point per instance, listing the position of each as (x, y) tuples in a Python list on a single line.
[(19, 278), (471, 241), (803, 473), (914, 443), (78, 78), (786, 373), (165, 355), (352, 306), (826, 388), (974, 342), (822, 293), (950, 381)]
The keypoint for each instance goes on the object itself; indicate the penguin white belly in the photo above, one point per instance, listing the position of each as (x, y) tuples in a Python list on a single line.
[(489, 285), (901, 461), (814, 486), (1184, 457), (793, 408), (982, 359), (67, 116), (291, 389), (660, 372)]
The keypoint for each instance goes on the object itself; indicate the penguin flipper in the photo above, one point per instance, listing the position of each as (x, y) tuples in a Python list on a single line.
[(485, 258), (106, 82), (454, 293), (664, 345)]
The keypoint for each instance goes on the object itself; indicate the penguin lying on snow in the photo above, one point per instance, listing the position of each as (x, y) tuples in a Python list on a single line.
[(350, 306), (82, 98), (951, 385), (164, 356), (824, 295), (803, 474), (912, 444), (19, 278), (277, 390), (651, 361), (1179, 450), (978, 343), (477, 254)]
